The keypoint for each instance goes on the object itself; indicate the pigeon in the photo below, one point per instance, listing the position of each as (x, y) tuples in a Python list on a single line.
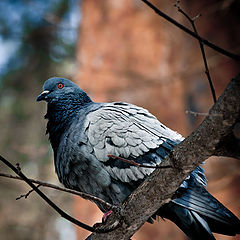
[(90, 139)]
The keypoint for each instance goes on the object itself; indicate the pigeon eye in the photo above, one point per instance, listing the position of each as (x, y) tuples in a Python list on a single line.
[(60, 85)]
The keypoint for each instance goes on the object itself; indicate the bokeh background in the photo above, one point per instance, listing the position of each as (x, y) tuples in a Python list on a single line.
[(115, 50)]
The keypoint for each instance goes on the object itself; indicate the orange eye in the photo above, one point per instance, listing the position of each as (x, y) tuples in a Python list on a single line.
[(60, 85)]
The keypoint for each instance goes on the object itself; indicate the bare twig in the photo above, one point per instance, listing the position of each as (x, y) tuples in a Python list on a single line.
[(195, 114), (18, 167), (46, 199), (80, 194), (192, 21), (193, 34), (132, 162), (27, 194)]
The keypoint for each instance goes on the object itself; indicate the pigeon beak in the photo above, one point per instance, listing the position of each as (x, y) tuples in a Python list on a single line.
[(42, 96)]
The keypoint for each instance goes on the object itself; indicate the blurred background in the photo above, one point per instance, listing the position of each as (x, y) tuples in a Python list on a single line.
[(116, 50)]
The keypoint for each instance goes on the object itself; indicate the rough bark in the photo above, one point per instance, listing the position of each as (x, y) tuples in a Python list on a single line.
[(216, 135)]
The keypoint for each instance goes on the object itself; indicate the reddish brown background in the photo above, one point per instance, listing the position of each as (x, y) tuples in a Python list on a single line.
[(126, 52)]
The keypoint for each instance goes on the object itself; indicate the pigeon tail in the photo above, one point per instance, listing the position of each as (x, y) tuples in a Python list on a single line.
[(197, 213), (190, 222)]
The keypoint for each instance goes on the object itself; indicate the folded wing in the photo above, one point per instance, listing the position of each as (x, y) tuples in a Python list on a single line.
[(130, 132)]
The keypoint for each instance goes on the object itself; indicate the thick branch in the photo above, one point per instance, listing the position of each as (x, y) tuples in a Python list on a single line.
[(207, 140)]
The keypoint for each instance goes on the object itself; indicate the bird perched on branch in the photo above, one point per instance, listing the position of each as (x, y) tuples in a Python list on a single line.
[(90, 140)]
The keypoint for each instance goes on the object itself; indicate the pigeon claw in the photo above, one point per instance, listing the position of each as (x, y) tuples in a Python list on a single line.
[(105, 216), (100, 226)]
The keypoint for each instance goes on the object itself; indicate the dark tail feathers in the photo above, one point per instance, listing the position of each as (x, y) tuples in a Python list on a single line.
[(194, 226), (197, 213)]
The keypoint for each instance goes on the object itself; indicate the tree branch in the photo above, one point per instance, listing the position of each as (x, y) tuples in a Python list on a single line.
[(195, 114), (132, 162), (210, 138), (49, 185), (63, 214), (192, 21), (27, 194), (193, 34)]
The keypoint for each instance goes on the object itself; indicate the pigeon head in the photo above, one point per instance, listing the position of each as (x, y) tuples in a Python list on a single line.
[(65, 99), (58, 89)]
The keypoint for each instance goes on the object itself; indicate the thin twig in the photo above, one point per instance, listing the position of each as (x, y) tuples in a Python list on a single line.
[(192, 21), (49, 185), (193, 34), (52, 204), (195, 114), (27, 194), (132, 162)]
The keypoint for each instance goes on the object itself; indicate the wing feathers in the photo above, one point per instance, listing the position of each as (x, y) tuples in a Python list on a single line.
[(127, 131)]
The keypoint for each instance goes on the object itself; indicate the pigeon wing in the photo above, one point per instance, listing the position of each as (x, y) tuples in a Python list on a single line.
[(131, 132)]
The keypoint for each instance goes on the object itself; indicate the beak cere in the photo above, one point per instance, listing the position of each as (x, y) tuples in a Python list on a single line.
[(42, 96)]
